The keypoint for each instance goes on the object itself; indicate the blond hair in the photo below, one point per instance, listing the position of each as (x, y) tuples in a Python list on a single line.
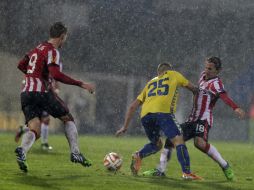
[(164, 67)]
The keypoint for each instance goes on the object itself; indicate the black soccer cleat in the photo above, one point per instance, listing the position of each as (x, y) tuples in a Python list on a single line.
[(21, 159), (79, 158)]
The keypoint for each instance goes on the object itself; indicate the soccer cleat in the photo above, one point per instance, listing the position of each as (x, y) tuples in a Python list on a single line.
[(21, 159), (228, 172), (21, 130), (79, 158), (154, 172), (135, 164), (191, 176), (46, 146)]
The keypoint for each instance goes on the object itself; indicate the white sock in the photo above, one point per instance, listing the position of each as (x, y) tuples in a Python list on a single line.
[(72, 136), (215, 155), (25, 128), (44, 133), (27, 140), (164, 158)]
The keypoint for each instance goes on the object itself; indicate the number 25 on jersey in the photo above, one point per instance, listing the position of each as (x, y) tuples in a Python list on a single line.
[(159, 88)]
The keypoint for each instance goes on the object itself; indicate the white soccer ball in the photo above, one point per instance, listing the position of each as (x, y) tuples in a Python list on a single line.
[(112, 161)]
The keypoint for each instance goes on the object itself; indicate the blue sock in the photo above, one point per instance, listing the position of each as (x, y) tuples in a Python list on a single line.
[(183, 158), (148, 150)]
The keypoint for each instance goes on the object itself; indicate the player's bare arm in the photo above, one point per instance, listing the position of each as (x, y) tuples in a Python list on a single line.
[(133, 107), (192, 88)]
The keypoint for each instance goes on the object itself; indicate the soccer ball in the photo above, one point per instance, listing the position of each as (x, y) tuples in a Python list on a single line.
[(112, 161)]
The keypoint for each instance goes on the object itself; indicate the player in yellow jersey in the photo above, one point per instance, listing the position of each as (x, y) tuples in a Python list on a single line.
[(158, 100)]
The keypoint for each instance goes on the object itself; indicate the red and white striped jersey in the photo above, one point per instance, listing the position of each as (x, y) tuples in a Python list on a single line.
[(204, 101), (37, 78)]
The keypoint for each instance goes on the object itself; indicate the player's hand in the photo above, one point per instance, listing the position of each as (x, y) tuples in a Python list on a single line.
[(241, 114), (89, 87), (121, 131)]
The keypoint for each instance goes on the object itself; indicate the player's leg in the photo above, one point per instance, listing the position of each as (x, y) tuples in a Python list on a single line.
[(183, 158), (213, 153), (21, 130), (28, 140), (165, 156), (147, 150), (188, 130), (155, 144), (58, 109), (29, 137), (173, 131), (164, 159), (45, 119), (32, 114), (71, 134), (201, 142)]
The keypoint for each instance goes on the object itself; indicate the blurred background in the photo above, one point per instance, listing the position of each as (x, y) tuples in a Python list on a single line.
[(118, 44)]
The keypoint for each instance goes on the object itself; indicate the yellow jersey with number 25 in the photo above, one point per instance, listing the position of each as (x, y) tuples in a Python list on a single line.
[(161, 93)]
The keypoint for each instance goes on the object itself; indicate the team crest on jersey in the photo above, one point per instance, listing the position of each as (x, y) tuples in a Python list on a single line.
[(203, 87)]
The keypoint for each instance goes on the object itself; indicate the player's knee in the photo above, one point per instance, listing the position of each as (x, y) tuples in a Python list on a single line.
[(34, 126), (200, 144), (159, 144), (168, 144), (177, 140), (36, 133), (45, 120), (67, 118)]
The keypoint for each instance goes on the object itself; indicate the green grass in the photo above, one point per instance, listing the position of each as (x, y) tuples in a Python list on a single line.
[(54, 170)]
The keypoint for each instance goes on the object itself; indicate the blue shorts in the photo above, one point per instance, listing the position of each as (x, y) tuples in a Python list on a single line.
[(154, 123)]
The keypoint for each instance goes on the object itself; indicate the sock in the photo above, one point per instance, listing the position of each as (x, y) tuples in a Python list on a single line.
[(148, 150), (164, 158), (44, 133), (183, 158), (215, 155), (27, 140), (72, 136)]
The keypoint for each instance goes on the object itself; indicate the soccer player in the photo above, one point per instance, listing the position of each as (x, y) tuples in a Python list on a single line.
[(39, 65), (158, 100), (200, 120)]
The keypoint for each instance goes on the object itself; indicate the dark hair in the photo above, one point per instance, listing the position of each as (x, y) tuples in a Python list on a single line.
[(216, 61), (57, 29), (164, 67)]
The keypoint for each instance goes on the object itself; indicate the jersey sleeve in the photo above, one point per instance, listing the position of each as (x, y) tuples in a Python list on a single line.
[(23, 63), (224, 96), (55, 67), (142, 96), (54, 58), (182, 81), (217, 88)]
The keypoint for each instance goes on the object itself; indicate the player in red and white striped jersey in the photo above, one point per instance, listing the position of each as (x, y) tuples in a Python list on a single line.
[(39, 65), (201, 119), (210, 90)]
